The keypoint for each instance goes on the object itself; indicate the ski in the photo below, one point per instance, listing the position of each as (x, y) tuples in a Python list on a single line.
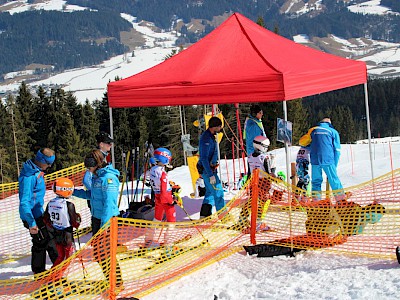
[(145, 251), (172, 253), (65, 288)]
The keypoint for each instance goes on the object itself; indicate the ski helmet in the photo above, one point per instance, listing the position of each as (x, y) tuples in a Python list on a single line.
[(261, 143), (63, 187), (163, 155)]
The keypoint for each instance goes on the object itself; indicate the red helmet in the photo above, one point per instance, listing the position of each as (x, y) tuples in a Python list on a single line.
[(63, 187)]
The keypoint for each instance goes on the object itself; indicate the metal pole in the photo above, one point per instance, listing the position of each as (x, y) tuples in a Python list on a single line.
[(112, 136), (288, 173), (369, 134)]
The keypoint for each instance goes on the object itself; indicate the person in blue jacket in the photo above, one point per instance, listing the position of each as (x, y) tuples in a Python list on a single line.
[(324, 156), (32, 189), (103, 197), (104, 190), (253, 127), (207, 167), (104, 142)]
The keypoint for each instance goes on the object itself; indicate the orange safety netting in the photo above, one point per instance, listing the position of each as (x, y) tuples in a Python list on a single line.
[(113, 263)]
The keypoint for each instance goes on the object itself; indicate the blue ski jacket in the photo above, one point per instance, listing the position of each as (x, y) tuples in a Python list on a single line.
[(208, 153), (32, 189), (103, 194), (325, 145), (252, 127)]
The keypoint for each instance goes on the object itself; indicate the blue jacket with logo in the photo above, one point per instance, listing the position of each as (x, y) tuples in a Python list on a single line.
[(32, 189), (252, 127), (325, 145), (208, 152), (103, 194)]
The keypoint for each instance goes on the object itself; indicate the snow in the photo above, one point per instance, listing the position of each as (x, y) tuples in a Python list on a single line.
[(23, 5), (371, 7), (91, 82), (301, 38), (308, 275)]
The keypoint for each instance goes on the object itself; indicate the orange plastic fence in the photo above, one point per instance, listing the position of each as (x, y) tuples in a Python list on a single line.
[(113, 263)]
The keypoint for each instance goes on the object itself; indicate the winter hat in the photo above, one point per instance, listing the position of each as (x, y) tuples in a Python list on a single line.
[(44, 159), (255, 109), (104, 137), (214, 122)]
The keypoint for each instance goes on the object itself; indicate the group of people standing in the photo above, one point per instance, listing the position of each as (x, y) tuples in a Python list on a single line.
[(102, 184)]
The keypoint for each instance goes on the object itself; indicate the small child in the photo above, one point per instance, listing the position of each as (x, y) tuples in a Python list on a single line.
[(164, 201), (61, 217), (259, 159), (302, 162)]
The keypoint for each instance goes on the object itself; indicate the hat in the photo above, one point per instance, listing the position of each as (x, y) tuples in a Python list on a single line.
[(255, 109), (104, 137), (214, 122)]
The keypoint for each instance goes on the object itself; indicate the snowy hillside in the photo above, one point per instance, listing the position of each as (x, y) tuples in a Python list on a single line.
[(382, 58)]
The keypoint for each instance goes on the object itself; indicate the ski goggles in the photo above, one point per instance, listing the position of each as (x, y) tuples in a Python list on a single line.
[(43, 159)]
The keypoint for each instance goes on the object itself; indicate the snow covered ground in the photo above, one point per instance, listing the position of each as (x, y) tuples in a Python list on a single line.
[(309, 275)]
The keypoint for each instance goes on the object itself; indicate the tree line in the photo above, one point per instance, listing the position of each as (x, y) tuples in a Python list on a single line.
[(62, 40), (82, 38), (53, 118)]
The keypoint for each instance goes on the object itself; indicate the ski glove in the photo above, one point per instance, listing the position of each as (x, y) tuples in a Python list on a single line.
[(212, 180)]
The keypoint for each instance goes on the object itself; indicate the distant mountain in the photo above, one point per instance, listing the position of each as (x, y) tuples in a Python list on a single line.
[(51, 36)]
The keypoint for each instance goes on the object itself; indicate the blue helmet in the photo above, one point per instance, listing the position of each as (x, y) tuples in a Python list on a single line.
[(163, 155)]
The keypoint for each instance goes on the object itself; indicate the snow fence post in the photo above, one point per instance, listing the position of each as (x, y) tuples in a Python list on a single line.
[(113, 254), (254, 205)]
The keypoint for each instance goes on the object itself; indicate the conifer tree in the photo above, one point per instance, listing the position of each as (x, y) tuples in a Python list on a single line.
[(7, 168), (19, 139), (298, 115), (88, 126), (41, 106), (24, 105), (63, 138)]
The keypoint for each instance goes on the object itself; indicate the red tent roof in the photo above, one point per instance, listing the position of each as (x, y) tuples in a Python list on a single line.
[(239, 61)]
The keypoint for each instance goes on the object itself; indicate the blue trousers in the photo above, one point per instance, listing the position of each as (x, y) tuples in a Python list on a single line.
[(214, 192), (331, 173)]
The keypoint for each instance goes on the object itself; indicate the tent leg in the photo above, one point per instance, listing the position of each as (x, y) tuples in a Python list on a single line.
[(112, 136), (369, 134)]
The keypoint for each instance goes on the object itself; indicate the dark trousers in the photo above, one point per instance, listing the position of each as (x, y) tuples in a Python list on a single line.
[(42, 242), (101, 250)]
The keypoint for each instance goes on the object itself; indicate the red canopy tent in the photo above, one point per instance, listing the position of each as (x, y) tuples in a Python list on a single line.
[(239, 61)]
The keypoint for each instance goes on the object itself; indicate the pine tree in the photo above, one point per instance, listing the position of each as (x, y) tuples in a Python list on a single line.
[(19, 136), (63, 138), (88, 126), (298, 115), (7, 168), (24, 105), (41, 106)]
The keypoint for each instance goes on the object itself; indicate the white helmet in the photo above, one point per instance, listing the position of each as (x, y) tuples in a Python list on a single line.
[(261, 143)]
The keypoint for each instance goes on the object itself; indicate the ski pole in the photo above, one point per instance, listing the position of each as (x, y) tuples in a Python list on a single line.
[(180, 203), (84, 271), (124, 178)]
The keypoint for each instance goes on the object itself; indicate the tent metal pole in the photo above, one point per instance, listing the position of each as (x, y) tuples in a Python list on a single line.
[(288, 171), (112, 136), (288, 175), (183, 132), (369, 134)]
